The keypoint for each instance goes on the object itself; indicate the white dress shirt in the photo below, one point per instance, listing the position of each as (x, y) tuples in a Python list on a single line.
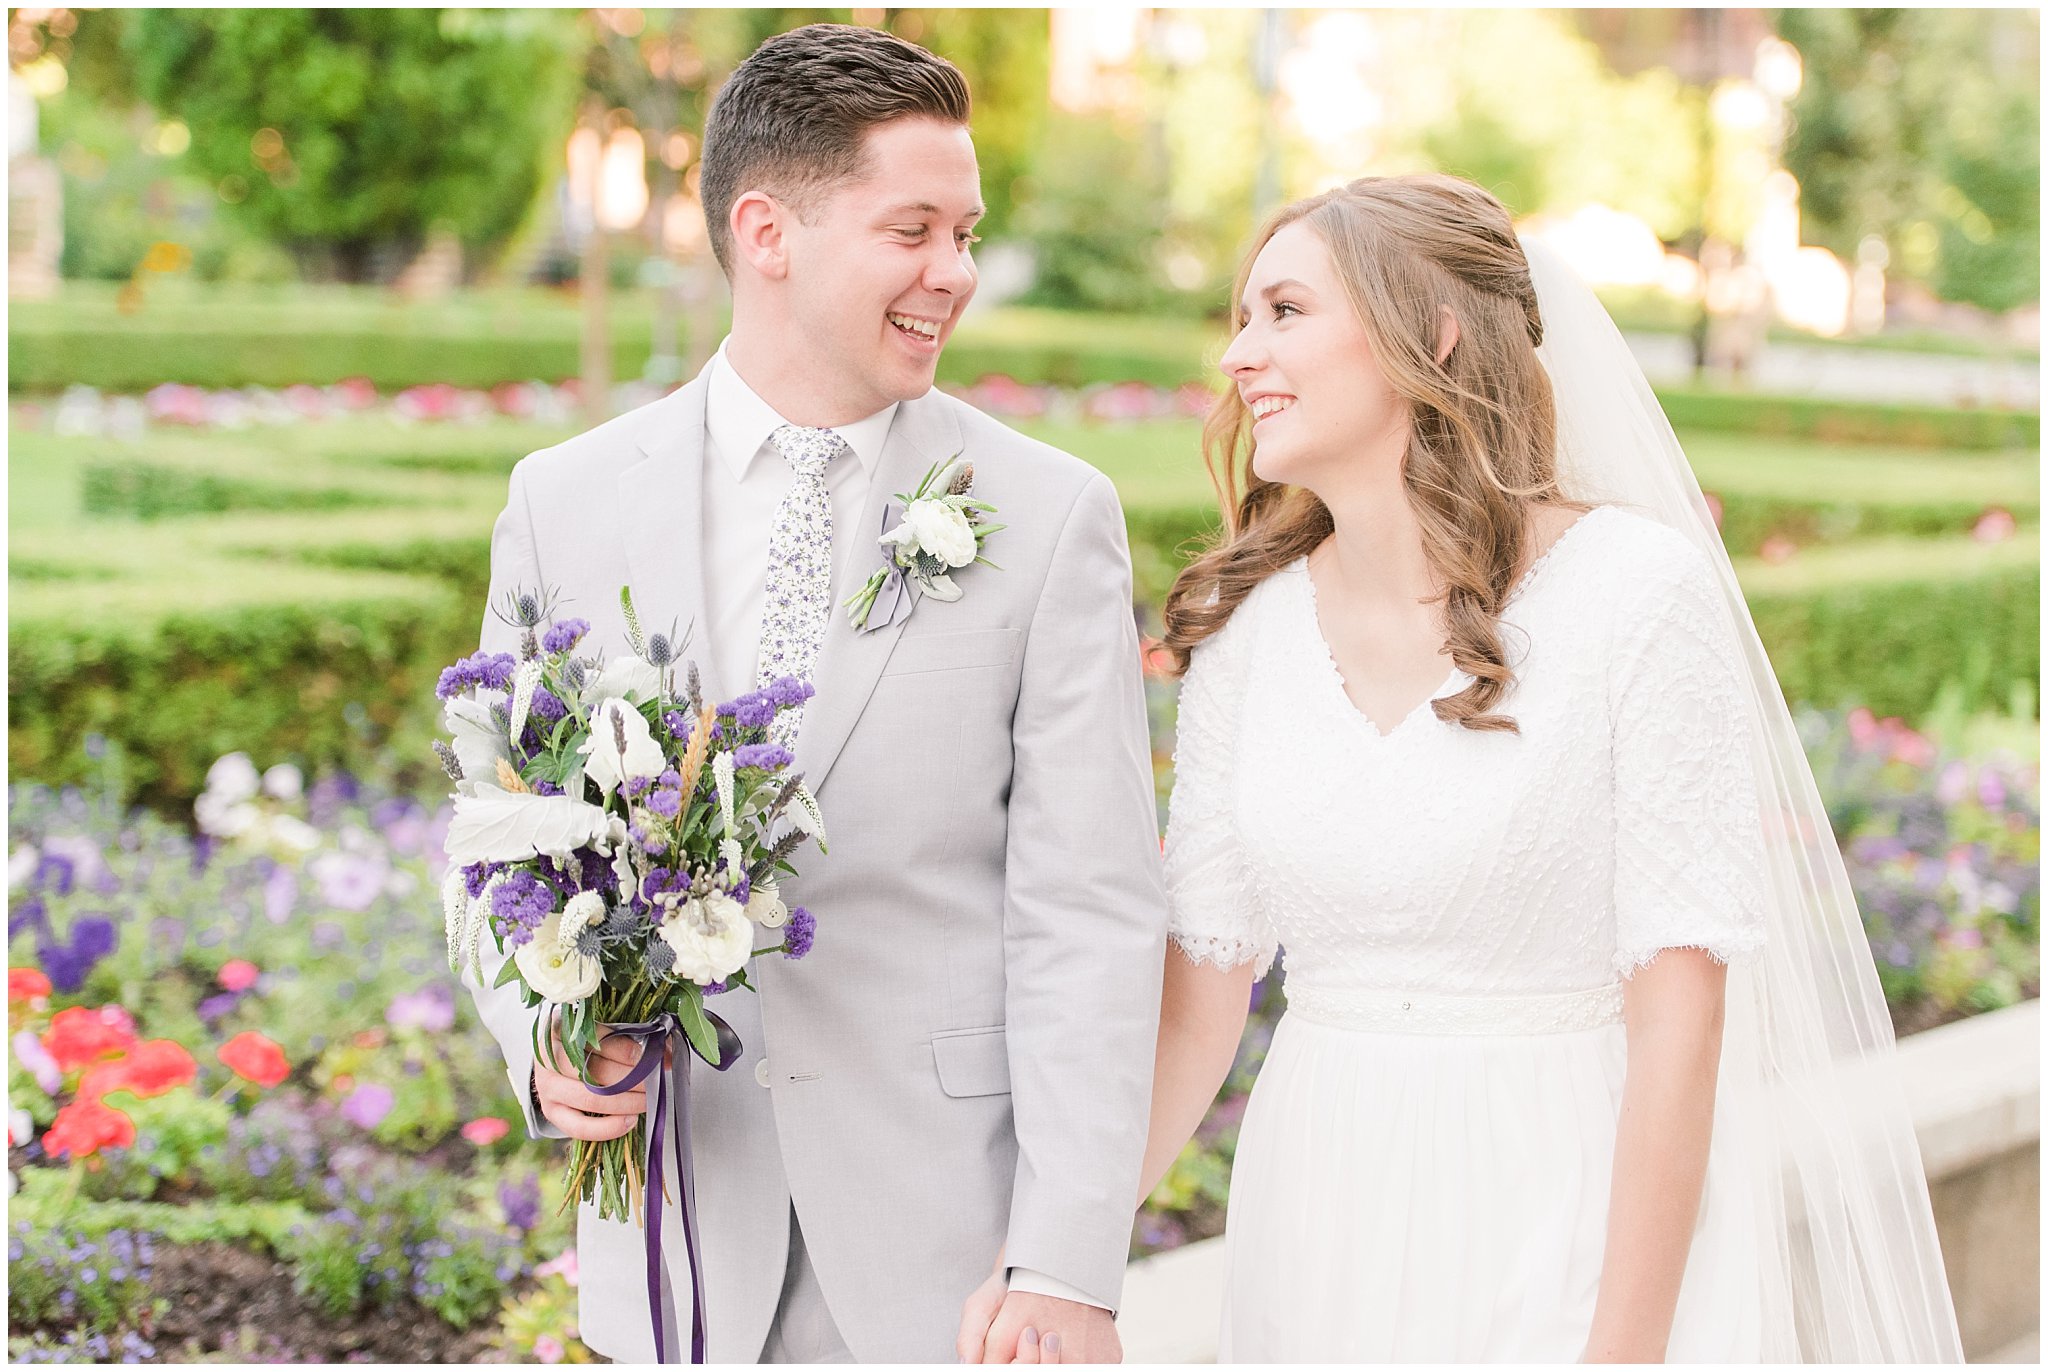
[(744, 482)]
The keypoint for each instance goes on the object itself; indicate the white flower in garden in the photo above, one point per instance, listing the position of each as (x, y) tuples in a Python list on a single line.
[(561, 975), (284, 781), (224, 819), (232, 779), (294, 833), (607, 764), (941, 531), (21, 864), (764, 905), (711, 938), (633, 678)]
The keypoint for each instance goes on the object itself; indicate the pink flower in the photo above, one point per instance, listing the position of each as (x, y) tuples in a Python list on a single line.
[(1995, 526), (485, 1131), (1714, 507), (548, 1348), (1966, 938), (238, 974), (565, 1265), (367, 1105), (1777, 548), (38, 1061), (1862, 727)]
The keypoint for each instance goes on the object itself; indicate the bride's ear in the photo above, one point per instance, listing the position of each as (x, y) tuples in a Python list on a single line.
[(1446, 334)]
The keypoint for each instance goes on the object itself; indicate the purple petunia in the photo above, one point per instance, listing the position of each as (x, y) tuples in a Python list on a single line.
[(519, 906), (367, 1105), (431, 1008), (796, 939), (564, 635), (772, 756), (493, 670), (521, 1203), (215, 1007), (68, 964)]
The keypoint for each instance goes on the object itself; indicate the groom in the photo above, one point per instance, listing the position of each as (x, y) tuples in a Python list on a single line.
[(962, 1066)]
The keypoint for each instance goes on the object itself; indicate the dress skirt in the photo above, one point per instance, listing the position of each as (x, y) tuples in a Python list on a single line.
[(1442, 1196)]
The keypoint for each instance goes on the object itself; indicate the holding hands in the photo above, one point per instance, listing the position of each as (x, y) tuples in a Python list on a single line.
[(998, 1325)]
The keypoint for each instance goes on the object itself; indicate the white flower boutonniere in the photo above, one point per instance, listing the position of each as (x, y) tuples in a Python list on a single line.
[(927, 535)]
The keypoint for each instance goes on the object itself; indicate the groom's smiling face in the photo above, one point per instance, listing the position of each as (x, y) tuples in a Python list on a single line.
[(880, 273)]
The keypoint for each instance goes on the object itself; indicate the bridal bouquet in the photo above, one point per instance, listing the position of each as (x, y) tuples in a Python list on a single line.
[(621, 837)]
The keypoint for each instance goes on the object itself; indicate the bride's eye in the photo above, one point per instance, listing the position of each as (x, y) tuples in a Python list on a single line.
[(1281, 309)]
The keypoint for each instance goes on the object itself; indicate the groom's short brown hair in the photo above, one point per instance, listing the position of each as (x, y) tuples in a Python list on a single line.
[(794, 119)]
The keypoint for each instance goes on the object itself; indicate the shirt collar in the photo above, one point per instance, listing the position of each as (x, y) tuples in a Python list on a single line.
[(740, 421)]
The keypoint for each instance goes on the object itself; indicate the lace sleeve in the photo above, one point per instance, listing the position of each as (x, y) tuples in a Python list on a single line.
[(1689, 858), (1213, 916)]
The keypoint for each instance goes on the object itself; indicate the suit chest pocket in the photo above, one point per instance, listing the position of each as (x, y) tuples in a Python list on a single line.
[(916, 654)]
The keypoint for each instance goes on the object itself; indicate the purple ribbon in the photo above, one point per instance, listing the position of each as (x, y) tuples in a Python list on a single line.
[(654, 1036), (894, 600)]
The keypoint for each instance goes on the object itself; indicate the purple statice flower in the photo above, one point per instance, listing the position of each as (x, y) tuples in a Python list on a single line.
[(521, 1203), (678, 725), (796, 939), (564, 635), (546, 707), (431, 1008), (637, 787), (367, 1105), (597, 872), (666, 803), (519, 905), (772, 756), (714, 988), (69, 963), (546, 788), (493, 670), (653, 844), (787, 691), (478, 875), (751, 711)]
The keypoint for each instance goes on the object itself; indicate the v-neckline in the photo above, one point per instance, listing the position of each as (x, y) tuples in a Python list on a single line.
[(1335, 674)]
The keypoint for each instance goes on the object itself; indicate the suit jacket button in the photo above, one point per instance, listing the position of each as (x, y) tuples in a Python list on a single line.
[(761, 1071)]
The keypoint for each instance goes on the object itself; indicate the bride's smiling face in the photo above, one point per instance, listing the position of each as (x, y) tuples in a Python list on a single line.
[(1302, 364)]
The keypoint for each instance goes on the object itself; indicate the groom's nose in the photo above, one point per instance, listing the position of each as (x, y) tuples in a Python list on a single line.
[(951, 272)]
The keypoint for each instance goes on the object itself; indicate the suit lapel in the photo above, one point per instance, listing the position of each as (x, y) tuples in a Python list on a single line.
[(661, 500), (851, 662)]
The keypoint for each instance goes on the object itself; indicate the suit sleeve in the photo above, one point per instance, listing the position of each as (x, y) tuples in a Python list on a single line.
[(514, 565), (1084, 924)]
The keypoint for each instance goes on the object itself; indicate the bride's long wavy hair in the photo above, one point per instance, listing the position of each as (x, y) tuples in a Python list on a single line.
[(1483, 433)]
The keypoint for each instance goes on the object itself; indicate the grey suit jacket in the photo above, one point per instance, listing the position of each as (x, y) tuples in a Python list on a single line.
[(965, 1058)]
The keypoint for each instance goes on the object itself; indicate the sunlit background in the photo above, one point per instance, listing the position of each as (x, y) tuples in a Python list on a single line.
[(291, 290)]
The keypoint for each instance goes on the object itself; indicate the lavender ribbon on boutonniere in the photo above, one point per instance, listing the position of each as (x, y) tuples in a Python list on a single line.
[(926, 536)]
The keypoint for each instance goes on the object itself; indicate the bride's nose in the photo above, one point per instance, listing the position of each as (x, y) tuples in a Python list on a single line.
[(1242, 357)]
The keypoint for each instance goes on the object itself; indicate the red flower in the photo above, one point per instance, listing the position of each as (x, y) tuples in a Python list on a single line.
[(86, 1126), (485, 1131), (253, 1057), (149, 1069), (26, 983), (77, 1036), (238, 974)]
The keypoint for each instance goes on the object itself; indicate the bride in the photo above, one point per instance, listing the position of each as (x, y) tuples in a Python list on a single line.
[(1584, 1056)]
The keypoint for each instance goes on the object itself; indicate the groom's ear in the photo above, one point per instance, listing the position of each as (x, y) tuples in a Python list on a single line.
[(758, 223), (1446, 334)]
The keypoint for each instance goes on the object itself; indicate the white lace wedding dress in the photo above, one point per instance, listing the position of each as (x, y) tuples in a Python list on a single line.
[(1423, 1169)]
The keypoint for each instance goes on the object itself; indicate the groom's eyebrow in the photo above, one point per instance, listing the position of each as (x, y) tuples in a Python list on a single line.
[(925, 207)]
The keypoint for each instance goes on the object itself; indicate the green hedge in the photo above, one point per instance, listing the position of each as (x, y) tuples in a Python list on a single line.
[(1845, 421)]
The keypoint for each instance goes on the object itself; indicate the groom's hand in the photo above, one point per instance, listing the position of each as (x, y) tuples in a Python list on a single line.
[(580, 1112), (1034, 1328)]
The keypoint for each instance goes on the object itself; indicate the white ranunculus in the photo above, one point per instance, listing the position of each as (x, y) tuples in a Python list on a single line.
[(606, 765), (941, 531), (711, 938), (633, 678), (764, 905), (559, 975)]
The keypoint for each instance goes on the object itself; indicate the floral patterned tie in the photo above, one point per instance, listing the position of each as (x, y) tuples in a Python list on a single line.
[(799, 599)]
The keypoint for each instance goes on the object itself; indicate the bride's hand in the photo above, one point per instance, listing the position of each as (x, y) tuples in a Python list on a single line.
[(983, 1304)]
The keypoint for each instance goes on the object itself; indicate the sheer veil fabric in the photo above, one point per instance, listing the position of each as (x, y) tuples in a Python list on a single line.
[(1809, 1082)]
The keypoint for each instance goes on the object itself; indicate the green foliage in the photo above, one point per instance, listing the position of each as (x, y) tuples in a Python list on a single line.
[(90, 1282), (380, 123), (1923, 127), (172, 1131), (1089, 211)]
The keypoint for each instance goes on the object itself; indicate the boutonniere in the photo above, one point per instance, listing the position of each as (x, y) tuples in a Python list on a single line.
[(926, 536)]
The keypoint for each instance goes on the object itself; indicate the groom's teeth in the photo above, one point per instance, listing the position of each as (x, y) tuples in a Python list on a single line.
[(924, 328)]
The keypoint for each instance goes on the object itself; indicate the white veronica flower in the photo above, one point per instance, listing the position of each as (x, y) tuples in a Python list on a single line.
[(941, 531), (607, 765), (711, 938), (561, 975)]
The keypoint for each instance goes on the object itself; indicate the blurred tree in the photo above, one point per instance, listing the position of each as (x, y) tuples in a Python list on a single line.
[(344, 135), (1090, 211), (1923, 127)]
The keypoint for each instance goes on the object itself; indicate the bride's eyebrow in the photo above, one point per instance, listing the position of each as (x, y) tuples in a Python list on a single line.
[(1281, 287)]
